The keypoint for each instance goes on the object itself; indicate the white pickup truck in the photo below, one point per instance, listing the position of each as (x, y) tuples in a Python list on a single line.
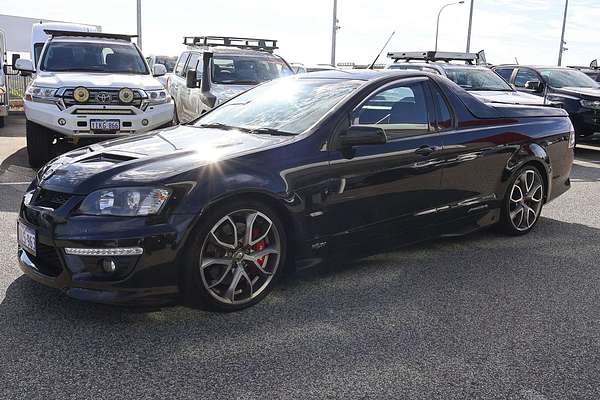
[(90, 86)]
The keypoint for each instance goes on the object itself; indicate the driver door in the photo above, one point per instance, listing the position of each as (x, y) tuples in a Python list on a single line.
[(388, 190)]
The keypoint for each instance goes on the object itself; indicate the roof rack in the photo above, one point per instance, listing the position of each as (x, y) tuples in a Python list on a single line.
[(102, 35), (435, 56), (268, 45)]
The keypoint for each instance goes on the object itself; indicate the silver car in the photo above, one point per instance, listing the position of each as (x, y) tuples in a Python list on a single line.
[(215, 69)]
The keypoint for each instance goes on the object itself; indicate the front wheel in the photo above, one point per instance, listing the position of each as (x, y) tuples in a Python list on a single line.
[(235, 257), (39, 142), (523, 202)]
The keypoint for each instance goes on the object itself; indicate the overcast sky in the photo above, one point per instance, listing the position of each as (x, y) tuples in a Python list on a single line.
[(526, 29)]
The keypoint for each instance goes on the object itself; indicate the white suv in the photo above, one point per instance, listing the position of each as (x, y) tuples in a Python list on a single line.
[(90, 86), (217, 68)]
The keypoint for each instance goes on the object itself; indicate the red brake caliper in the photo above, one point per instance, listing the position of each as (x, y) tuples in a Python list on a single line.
[(259, 247)]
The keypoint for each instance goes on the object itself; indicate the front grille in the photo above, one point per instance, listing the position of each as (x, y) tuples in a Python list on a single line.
[(103, 111), (51, 199), (47, 260), (103, 97)]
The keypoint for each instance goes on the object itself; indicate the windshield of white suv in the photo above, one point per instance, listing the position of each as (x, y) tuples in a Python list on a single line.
[(286, 106), (106, 57), (477, 79), (245, 70), (559, 78)]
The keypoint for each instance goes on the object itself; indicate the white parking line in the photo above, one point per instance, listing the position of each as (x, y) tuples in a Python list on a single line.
[(14, 183)]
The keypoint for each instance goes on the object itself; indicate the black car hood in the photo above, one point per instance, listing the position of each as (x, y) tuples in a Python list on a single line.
[(586, 93), (149, 158)]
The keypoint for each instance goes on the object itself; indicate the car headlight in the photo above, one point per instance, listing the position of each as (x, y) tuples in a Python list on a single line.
[(125, 202), (593, 104), (41, 94), (155, 97)]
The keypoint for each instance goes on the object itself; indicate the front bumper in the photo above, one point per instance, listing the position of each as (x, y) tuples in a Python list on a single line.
[(77, 118), (586, 122), (148, 279)]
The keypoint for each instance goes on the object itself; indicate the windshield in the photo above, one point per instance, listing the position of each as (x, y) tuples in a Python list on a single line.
[(559, 78), (103, 57), (168, 62), (286, 105), (477, 79), (245, 70)]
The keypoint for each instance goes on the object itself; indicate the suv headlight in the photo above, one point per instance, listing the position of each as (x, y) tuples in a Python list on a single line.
[(593, 104), (125, 202), (155, 97), (41, 94)]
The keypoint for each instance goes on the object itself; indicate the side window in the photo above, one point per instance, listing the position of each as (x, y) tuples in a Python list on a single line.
[(506, 73), (400, 110), (523, 76), (181, 64), (444, 116), (192, 63)]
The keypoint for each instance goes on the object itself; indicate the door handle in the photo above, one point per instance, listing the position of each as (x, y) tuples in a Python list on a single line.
[(426, 150)]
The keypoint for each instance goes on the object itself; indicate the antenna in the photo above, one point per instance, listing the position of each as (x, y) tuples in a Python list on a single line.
[(372, 66), (516, 61)]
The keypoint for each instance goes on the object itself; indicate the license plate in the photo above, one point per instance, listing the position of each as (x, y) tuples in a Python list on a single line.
[(27, 238), (105, 124)]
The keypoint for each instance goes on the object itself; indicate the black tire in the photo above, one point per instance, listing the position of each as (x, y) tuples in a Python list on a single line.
[(175, 120), (509, 218), (193, 286), (39, 141), (1, 122)]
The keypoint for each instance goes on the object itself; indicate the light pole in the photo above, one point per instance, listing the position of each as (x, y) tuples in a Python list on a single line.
[(139, 23), (437, 29), (470, 26), (562, 36), (335, 28)]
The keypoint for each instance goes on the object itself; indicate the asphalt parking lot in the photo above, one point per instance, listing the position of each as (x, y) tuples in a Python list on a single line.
[(485, 316)]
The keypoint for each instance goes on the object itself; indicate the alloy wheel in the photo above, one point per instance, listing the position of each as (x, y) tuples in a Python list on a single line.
[(526, 198), (240, 256)]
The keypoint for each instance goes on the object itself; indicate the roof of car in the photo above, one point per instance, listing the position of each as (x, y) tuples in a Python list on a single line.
[(233, 51), (360, 74), (529, 66)]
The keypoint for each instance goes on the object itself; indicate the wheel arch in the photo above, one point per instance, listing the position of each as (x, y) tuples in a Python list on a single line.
[(292, 226), (529, 155)]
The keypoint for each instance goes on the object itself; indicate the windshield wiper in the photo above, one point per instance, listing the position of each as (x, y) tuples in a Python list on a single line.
[(217, 125), (270, 131), (240, 82)]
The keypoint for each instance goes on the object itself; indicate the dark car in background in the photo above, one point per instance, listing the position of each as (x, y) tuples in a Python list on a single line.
[(593, 71), (462, 69), (283, 176), (568, 88)]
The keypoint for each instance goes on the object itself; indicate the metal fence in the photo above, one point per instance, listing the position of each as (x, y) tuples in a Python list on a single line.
[(16, 85)]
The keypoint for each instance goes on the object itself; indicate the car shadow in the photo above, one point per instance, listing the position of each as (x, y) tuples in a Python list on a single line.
[(479, 308)]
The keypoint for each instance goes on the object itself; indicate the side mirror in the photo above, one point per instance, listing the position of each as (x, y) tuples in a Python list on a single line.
[(362, 136), (536, 86), (191, 79), (24, 66), (15, 57), (159, 70), (594, 64)]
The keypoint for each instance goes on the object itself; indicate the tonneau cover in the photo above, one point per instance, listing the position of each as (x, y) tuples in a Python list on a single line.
[(482, 110)]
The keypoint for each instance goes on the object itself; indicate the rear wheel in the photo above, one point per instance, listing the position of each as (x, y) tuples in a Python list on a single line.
[(1, 122), (235, 257), (523, 202), (39, 142)]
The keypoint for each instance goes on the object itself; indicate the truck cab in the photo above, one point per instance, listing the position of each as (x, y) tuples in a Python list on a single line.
[(214, 69), (90, 86)]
